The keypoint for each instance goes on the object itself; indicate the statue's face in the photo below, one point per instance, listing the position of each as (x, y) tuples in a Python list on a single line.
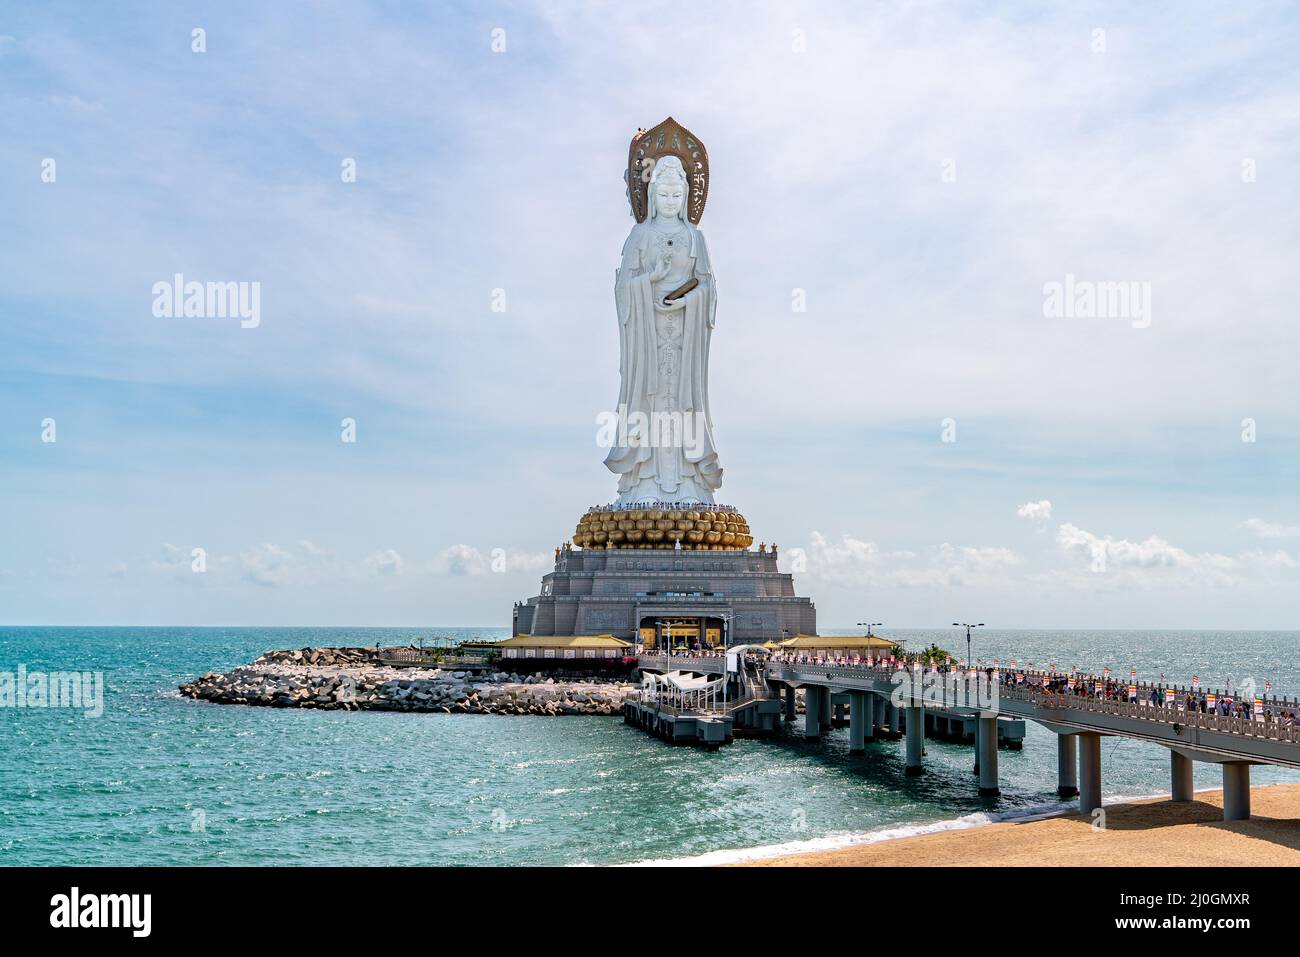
[(670, 193)]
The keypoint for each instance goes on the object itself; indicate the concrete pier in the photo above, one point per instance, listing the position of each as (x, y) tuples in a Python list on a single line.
[(1067, 766), (789, 703), (1089, 771), (1079, 725), (1236, 791), (915, 737), (987, 748), (857, 721), (1180, 775), (812, 711), (709, 731)]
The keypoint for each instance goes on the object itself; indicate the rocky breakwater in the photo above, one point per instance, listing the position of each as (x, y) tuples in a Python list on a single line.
[(353, 679)]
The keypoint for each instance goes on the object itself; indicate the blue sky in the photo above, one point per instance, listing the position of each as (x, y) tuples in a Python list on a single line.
[(830, 129)]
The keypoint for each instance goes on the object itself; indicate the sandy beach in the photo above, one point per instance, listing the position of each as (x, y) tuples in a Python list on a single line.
[(1157, 832)]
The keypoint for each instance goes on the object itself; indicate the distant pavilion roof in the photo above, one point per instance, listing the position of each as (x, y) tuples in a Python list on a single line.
[(564, 641), (837, 643)]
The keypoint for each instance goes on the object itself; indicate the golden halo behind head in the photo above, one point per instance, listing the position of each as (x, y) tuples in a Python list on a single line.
[(669, 138)]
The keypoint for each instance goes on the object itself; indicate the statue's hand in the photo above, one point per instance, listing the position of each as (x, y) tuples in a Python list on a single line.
[(665, 305), (661, 271)]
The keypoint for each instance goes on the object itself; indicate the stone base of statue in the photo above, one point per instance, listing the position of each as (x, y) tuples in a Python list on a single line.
[(699, 594)]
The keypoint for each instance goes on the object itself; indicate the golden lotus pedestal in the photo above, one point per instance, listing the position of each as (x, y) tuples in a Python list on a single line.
[(716, 529)]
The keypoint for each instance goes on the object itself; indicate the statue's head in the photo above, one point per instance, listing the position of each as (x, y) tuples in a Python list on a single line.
[(668, 189)]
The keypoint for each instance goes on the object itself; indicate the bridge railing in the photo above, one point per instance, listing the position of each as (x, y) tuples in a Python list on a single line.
[(1274, 728), (1173, 713), (1271, 701), (683, 662)]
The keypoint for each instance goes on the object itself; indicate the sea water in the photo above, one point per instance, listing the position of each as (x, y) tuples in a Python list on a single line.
[(161, 779)]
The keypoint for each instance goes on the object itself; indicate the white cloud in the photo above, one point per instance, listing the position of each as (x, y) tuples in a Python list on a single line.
[(1156, 560), (465, 559), (267, 564), (1039, 511), (1265, 529), (385, 562), (172, 559), (853, 562), (460, 560), (1152, 553)]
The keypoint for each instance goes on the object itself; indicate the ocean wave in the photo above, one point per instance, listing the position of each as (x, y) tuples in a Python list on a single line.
[(838, 841)]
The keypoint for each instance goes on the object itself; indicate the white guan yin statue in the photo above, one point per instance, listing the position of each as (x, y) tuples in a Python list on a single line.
[(666, 300)]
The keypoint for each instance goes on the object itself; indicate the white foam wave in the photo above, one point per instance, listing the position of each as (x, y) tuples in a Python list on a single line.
[(834, 842)]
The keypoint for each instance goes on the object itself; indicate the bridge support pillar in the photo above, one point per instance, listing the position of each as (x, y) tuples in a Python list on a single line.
[(1180, 776), (986, 744), (870, 707), (812, 712), (915, 737), (857, 721), (1236, 791), (1067, 766), (789, 703), (894, 720), (824, 698), (1089, 771)]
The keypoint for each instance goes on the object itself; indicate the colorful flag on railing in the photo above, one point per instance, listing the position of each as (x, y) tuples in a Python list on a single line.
[(1196, 682), (1132, 692), (1169, 696), (1069, 682), (1096, 687), (1210, 700), (1259, 707), (1105, 673)]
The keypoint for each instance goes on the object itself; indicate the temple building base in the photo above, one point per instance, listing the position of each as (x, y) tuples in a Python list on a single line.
[(667, 597)]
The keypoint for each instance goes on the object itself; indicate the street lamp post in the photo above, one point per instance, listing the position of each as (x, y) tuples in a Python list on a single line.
[(870, 625), (726, 617), (968, 628), (726, 645)]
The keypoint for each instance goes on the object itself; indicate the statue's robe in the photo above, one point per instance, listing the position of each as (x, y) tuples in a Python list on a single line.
[(643, 388)]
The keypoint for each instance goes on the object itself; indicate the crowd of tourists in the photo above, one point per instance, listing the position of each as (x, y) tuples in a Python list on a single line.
[(1192, 700)]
